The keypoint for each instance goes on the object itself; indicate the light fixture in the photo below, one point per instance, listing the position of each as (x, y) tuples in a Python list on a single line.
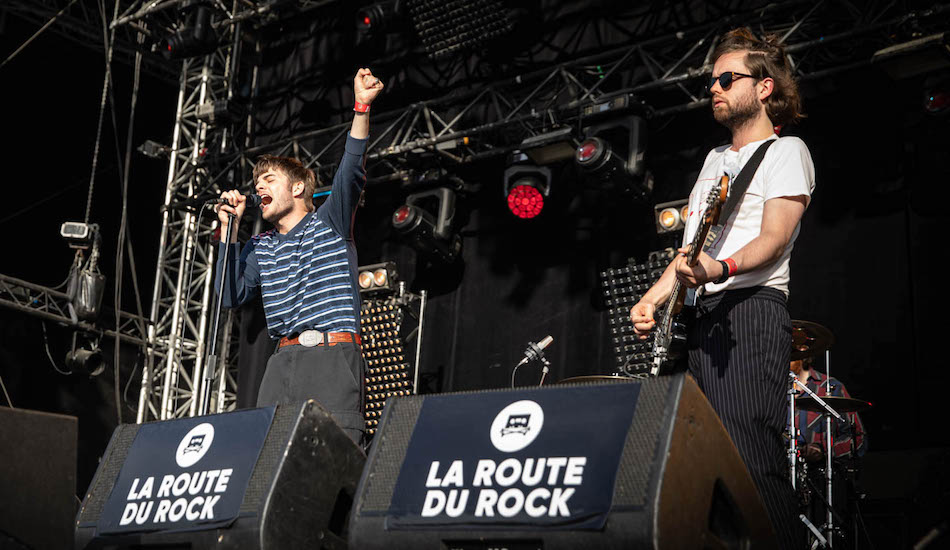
[(671, 216), (379, 17), (196, 37), (425, 221), (526, 186), (85, 357), (377, 277), (612, 155)]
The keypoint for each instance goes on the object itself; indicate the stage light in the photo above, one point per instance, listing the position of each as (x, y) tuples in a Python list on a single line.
[(196, 37), (525, 200), (378, 18), (612, 155), (447, 28), (550, 147), (377, 277), (937, 102), (85, 357), (525, 186), (915, 57), (671, 216), (425, 221)]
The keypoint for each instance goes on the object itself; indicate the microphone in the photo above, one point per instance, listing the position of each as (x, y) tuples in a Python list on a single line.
[(534, 351), (252, 201)]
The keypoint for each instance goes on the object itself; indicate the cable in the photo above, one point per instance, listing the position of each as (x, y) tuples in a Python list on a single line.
[(50, 355), (37, 33), (4, 386)]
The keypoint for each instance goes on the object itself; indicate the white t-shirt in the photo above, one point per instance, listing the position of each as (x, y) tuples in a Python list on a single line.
[(786, 171)]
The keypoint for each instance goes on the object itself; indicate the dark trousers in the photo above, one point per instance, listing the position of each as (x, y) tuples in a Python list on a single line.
[(739, 354), (330, 375)]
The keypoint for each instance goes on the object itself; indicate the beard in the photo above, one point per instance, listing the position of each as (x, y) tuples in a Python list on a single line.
[(738, 113)]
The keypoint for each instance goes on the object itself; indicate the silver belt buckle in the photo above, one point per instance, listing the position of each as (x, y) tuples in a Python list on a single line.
[(310, 338)]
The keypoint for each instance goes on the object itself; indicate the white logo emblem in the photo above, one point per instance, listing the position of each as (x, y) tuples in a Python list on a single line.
[(194, 445), (516, 426)]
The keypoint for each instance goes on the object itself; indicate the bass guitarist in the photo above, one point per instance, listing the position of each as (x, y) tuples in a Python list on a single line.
[(740, 340)]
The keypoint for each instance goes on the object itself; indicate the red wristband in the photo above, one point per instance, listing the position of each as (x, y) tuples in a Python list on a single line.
[(360, 107), (733, 266)]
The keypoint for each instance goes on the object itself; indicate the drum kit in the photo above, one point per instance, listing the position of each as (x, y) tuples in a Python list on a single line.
[(809, 340)]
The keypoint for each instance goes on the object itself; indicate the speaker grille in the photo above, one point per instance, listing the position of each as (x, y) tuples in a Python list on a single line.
[(108, 472), (391, 445), (649, 427), (271, 455)]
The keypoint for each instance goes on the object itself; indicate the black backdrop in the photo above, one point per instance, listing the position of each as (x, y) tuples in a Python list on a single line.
[(865, 265)]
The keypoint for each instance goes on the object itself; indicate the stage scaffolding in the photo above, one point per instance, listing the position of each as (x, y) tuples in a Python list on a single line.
[(460, 127)]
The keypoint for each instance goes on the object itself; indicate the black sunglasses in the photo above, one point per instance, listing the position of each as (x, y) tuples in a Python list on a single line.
[(725, 79)]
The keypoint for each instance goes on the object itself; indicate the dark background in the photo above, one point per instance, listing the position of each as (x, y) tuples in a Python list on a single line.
[(865, 265)]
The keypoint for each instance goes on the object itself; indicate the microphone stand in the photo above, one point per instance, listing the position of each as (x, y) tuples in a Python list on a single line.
[(211, 363)]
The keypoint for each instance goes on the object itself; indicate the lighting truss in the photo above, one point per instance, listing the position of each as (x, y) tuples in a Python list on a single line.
[(81, 23), (52, 305), (181, 300), (658, 77)]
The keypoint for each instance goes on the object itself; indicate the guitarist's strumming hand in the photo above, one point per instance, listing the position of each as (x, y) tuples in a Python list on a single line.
[(706, 269), (642, 317)]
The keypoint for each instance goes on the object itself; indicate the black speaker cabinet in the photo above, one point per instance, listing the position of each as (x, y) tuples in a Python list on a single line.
[(37, 479), (299, 493), (680, 482)]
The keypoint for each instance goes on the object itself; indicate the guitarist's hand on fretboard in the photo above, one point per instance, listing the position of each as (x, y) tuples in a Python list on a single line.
[(705, 270)]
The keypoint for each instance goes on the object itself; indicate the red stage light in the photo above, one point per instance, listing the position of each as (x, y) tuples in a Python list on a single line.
[(587, 150), (525, 201), (367, 21), (401, 214)]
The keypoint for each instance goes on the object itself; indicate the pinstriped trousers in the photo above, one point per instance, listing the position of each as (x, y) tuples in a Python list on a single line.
[(739, 354)]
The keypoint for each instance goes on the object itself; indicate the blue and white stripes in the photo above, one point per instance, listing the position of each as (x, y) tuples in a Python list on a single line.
[(305, 280)]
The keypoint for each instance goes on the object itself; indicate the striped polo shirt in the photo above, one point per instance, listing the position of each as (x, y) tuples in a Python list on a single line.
[(307, 277)]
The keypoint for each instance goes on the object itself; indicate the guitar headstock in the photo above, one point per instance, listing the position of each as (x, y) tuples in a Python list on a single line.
[(715, 199)]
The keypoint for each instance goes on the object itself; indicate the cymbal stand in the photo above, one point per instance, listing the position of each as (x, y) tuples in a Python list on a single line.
[(829, 449), (829, 454), (792, 431)]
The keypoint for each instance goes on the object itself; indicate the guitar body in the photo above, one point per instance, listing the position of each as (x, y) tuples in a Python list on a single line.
[(669, 340)]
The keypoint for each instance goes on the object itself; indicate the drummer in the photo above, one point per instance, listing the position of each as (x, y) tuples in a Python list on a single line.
[(811, 425)]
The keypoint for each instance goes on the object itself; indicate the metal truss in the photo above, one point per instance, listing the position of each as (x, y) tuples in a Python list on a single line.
[(53, 305), (181, 301), (81, 22), (657, 77)]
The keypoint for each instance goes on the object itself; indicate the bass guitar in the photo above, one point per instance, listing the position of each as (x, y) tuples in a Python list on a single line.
[(669, 340)]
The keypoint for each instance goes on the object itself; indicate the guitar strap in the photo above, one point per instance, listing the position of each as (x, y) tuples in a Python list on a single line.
[(738, 188)]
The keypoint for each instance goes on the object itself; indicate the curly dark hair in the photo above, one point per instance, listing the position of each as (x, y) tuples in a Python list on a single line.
[(766, 58)]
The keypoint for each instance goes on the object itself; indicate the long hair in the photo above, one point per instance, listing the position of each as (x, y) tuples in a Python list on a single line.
[(766, 58), (293, 169)]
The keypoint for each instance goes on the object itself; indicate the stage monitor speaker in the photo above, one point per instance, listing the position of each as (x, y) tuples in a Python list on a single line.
[(632, 464), (301, 474), (37, 479)]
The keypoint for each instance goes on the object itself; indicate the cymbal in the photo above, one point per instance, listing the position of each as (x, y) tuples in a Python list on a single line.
[(840, 404), (596, 378), (809, 339)]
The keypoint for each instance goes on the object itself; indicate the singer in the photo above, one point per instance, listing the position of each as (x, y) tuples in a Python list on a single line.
[(305, 268)]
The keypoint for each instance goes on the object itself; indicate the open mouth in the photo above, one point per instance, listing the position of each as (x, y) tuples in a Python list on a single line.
[(265, 200)]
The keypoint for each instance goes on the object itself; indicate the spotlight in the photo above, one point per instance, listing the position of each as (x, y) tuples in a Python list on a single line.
[(671, 216), (79, 234), (377, 277), (425, 220), (85, 358), (612, 155), (196, 37), (154, 150), (526, 186), (378, 18)]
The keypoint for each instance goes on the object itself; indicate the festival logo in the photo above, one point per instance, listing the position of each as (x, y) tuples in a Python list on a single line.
[(194, 445), (516, 426)]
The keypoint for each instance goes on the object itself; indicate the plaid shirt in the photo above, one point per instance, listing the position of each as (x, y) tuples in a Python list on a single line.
[(811, 425)]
